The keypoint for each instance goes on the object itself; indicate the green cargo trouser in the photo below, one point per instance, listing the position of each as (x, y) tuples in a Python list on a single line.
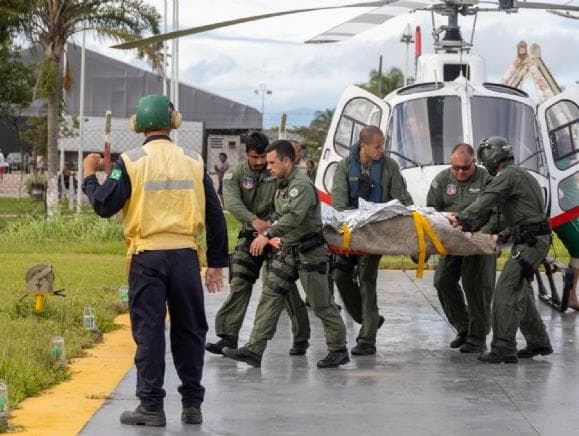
[(282, 271), (245, 271), (358, 292), (514, 302), (478, 275)]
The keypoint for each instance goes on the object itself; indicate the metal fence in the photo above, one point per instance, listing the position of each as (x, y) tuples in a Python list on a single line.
[(14, 184)]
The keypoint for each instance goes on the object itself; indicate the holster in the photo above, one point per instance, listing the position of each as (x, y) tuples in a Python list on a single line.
[(527, 233), (321, 267)]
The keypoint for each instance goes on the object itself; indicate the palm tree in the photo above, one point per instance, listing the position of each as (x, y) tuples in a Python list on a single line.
[(50, 23), (392, 80)]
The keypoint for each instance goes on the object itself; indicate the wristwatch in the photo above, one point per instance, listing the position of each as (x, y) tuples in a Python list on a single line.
[(266, 234)]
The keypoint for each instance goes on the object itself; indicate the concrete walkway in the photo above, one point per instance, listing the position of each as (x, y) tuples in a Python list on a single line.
[(415, 385)]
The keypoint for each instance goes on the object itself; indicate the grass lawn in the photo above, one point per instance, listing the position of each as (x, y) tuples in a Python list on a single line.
[(88, 256)]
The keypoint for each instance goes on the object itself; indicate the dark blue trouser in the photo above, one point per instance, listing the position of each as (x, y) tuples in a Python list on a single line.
[(157, 280)]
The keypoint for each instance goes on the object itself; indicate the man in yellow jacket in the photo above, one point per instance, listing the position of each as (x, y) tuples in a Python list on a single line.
[(167, 200)]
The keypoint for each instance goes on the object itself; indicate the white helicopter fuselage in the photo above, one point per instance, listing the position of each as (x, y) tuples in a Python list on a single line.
[(450, 103)]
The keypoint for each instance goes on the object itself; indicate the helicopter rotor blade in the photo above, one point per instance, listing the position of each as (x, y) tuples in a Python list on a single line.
[(199, 29), (549, 6), (368, 20), (565, 14)]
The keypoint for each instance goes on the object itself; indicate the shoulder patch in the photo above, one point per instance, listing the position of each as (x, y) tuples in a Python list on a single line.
[(451, 189), (435, 184), (116, 174), (248, 183), (293, 192), (228, 175)]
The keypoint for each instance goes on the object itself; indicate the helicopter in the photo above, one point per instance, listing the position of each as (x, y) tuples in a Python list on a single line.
[(420, 120)]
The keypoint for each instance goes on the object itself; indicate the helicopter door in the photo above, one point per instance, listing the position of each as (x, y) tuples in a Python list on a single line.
[(356, 109), (559, 119)]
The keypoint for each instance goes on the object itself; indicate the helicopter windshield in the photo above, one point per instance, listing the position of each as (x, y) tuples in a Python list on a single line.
[(494, 116), (423, 131)]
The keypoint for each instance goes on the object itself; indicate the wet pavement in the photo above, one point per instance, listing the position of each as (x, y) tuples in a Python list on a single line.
[(415, 385)]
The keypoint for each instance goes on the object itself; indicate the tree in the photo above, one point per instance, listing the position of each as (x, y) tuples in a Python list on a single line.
[(392, 80), (16, 83), (314, 136), (50, 23)]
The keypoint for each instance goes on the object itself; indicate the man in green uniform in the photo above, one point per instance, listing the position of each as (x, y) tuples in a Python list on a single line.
[(520, 201), (370, 175), (248, 195), (303, 254), (452, 190)]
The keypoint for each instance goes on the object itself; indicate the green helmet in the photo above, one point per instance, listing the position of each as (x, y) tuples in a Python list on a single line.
[(492, 151), (154, 112)]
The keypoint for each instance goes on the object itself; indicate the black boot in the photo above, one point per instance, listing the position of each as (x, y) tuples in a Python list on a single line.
[(299, 348), (528, 352), (217, 347), (363, 349), (334, 359), (493, 357), (191, 415), (469, 347), (243, 354), (458, 341), (142, 416)]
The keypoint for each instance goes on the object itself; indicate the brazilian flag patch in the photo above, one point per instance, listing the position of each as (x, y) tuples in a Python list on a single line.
[(116, 174)]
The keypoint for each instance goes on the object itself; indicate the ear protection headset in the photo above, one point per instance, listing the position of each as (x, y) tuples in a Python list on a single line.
[(155, 112)]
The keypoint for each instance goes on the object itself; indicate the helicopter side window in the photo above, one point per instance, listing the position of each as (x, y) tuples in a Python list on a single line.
[(358, 113), (569, 192), (563, 124), (423, 131), (515, 121)]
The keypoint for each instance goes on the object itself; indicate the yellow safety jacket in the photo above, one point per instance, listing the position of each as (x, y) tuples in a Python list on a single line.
[(166, 209)]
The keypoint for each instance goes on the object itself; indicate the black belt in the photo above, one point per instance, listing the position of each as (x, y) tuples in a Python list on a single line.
[(310, 241)]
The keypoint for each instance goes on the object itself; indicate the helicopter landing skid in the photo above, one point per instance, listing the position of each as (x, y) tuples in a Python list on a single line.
[(553, 299)]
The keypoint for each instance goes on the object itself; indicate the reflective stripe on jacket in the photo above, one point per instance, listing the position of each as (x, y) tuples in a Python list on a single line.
[(166, 209)]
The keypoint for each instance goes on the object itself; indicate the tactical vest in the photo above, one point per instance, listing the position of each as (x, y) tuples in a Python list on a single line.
[(166, 209)]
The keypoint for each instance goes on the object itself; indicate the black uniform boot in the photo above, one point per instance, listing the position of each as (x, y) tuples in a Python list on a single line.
[(334, 359), (299, 348), (469, 347), (458, 341), (528, 352), (243, 354), (191, 415), (142, 416), (217, 347), (493, 357), (363, 349)]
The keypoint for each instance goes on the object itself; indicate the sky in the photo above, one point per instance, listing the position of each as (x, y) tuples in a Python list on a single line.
[(235, 61)]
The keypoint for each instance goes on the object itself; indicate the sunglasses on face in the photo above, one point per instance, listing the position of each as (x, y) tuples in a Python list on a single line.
[(463, 168)]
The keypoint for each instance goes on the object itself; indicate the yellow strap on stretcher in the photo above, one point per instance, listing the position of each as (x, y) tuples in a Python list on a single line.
[(423, 226), (347, 236)]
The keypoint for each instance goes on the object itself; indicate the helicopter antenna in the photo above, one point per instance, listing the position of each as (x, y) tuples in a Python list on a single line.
[(473, 27)]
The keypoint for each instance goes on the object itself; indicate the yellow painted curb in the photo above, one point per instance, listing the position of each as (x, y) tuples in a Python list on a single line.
[(65, 408)]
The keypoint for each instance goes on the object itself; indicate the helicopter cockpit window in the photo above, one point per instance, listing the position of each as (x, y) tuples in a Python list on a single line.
[(358, 113), (563, 125), (423, 131), (515, 121)]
